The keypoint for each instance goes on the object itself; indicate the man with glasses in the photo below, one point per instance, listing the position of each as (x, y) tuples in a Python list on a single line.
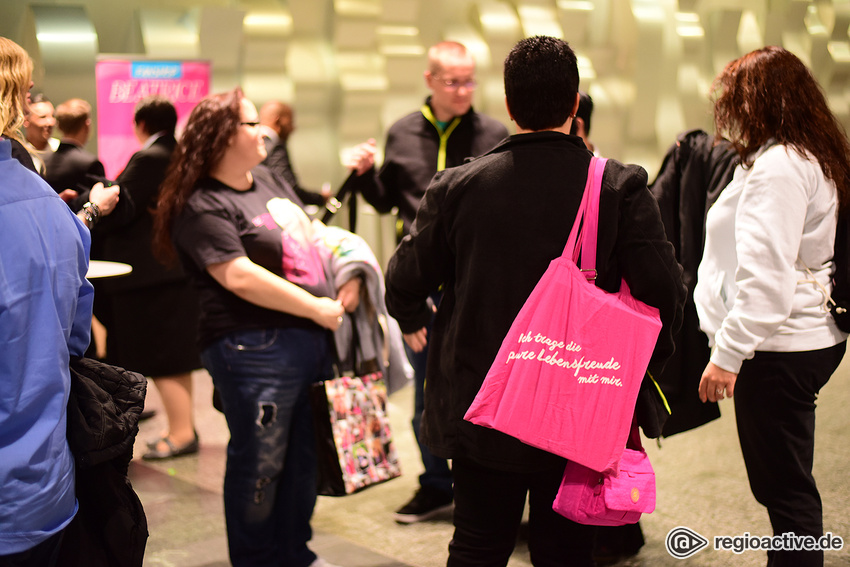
[(443, 133)]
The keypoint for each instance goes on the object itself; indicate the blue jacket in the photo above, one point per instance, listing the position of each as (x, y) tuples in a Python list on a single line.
[(45, 317)]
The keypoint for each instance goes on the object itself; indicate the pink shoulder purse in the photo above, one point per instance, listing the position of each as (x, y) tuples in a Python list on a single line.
[(598, 499)]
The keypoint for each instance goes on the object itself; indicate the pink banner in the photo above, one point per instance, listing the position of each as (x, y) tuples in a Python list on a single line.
[(121, 83)]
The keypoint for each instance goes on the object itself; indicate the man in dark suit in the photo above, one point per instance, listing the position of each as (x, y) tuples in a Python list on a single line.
[(77, 174), (276, 124), (72, 166), (151, 314), (154, 122)]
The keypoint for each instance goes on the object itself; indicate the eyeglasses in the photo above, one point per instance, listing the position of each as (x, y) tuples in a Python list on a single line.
[(454, 84), (253, 124)]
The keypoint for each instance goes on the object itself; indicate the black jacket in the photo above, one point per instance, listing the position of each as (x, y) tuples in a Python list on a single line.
[(129, 240), (410, 160), (277, 160), (487, 231), (694, 172), (20, 153), (110, 528), (73, 167)]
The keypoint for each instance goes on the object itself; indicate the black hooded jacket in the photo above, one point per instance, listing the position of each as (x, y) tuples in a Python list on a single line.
[(694, 172), (110, 528)]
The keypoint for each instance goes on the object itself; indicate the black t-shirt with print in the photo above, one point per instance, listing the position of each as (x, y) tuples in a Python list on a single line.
[(265, 223)]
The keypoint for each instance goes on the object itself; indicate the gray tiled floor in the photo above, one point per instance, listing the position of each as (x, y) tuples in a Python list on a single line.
[(701, 485)]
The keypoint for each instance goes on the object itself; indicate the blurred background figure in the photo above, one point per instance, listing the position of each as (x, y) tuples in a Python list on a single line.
[(74, 167), (151, 314), (78, 176), (443, 133), (45, 318), (764, 279), (277, 122), (38, 131), (581, 123)]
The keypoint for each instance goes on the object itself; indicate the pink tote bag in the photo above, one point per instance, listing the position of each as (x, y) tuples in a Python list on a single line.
[(568, 372)]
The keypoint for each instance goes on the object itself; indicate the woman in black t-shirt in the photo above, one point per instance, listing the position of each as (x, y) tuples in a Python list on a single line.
[(266, 307)]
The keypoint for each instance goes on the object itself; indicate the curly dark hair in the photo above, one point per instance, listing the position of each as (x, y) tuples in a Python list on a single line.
[(211, 125), (541, 82), (770, 94)]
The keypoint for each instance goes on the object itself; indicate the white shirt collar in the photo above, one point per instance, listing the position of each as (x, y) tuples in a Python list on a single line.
[(270, 134), (152, 138)]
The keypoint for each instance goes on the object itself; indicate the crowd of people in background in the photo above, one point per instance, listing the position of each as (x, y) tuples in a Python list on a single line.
[(226, 277)]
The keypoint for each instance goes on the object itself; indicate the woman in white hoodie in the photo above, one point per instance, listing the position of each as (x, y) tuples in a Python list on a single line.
[(762, 282)]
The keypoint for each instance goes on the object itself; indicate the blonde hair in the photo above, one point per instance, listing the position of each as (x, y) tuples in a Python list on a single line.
[(72, 115), (439, 52), (15, 77)]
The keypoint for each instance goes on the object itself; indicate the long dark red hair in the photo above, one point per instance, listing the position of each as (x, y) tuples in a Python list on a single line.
[(770, 94), (211, 125)]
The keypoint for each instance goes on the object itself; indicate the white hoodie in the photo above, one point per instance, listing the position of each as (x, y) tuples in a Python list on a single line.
[(772, 221)]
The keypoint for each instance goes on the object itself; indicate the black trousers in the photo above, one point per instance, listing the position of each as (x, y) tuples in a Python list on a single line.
[(775, 397), (489, 504), (45, 554)]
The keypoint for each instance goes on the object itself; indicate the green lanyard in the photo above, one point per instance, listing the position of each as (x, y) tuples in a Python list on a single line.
[(444, 134)]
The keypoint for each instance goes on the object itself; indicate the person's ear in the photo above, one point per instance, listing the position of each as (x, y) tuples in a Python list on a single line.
[(575, 106)]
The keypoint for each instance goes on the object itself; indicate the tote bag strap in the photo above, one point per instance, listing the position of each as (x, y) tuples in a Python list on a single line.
[(633, 441), (583, 235)]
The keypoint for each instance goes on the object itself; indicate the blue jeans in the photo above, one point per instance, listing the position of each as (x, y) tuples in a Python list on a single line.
[(437, 473), (270, 481)]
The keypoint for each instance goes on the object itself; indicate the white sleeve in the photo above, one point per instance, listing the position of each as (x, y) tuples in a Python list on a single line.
[(769, 224)]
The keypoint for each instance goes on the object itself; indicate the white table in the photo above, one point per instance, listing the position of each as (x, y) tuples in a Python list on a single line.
[(104, 269)]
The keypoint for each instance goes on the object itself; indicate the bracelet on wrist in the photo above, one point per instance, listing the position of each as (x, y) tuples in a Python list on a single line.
[(92, 212)]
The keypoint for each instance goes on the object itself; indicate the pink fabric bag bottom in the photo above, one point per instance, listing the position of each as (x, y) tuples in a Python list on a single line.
[(598, 499)]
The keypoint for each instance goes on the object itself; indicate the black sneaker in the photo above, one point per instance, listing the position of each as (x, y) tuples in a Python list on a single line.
[(425, 504)]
